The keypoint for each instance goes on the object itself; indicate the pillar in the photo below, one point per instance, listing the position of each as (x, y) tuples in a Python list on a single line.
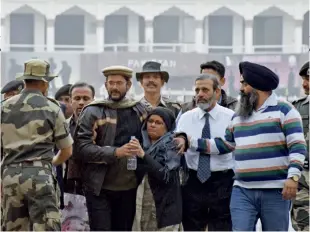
[(199, 36), (206, 34), (5, 34), (39, 35), (238, 34), (50, 35), (248, 36), (133, 32), (100, 35), (149, 34), (298, 36)]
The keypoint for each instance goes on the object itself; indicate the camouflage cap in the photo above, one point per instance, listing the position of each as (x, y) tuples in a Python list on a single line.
[(118, 70), (36, 69)]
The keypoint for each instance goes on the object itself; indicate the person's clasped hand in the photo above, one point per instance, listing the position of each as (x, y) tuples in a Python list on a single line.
[(136, 148)]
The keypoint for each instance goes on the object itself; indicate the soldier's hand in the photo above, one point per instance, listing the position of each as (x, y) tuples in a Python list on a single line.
[(290, 189), (124, 151)]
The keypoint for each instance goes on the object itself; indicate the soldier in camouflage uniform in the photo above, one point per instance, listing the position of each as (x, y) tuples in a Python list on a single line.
[(152, 79), (300, 211), (31, 125)]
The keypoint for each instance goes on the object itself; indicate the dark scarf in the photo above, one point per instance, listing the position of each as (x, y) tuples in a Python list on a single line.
[(164, 150)]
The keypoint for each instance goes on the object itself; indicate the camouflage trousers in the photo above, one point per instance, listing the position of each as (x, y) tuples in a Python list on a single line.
[(300, 210), (30, 197)]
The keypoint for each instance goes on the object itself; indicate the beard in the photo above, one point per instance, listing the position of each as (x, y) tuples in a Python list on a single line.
[(205, 104), (119, 95), (247, 104)]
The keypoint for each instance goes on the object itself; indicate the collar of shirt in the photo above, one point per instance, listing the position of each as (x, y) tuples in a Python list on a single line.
[(270, 101), (161, 101), (213, 113)]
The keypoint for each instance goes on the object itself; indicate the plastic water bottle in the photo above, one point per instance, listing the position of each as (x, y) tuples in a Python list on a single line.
[(132, 161)]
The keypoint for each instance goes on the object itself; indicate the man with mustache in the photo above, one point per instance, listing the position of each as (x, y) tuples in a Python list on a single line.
[(81, 94), (206, 194), (101, 143), (152, 79), (215, 68), (300, 211), (267, 138)]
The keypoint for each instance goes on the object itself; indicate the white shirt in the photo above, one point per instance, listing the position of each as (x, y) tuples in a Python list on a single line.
[(192, 123)]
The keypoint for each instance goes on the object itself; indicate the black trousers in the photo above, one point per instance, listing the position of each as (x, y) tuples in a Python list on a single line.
[(207, 204), (111, 210)]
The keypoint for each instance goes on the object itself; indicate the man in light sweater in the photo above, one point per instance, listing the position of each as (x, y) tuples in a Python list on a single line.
[(267, 138)]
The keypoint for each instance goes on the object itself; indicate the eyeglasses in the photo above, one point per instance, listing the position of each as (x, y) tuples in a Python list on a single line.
[(157, 123)]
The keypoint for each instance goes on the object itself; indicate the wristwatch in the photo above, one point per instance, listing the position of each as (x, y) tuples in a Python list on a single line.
[(295, 178)]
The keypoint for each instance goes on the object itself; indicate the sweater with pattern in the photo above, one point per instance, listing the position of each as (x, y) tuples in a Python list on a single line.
[(269, 146)]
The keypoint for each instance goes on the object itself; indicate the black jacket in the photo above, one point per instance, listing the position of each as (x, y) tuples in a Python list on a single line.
[(167, 196)]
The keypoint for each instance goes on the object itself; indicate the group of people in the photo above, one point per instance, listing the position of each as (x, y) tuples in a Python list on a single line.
[(214, 163)]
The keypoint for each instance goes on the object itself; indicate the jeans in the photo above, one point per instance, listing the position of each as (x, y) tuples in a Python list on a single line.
[(248, 205)]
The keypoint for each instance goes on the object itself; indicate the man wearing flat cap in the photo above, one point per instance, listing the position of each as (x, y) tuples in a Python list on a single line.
[(31, 126), (12, 88), (102, 144), (269, 148), (300, 211)]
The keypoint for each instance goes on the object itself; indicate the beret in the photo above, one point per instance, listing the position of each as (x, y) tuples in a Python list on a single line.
[(63, 91), (258, 76), (117, 70), (304, 71), (12, 85)]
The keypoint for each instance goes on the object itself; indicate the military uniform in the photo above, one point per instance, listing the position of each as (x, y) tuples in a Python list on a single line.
[(31, 125), (300, 211)]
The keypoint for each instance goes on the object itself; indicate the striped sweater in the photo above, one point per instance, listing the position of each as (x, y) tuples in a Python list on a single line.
[(269, 146)]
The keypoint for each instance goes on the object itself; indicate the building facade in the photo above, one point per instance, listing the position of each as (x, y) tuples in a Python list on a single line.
[(209, 26)]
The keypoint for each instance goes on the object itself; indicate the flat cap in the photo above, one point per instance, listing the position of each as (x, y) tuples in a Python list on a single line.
[(63, 91), (12, 85), (304, 71), (36, 69), (117, 70), (258, 76)]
